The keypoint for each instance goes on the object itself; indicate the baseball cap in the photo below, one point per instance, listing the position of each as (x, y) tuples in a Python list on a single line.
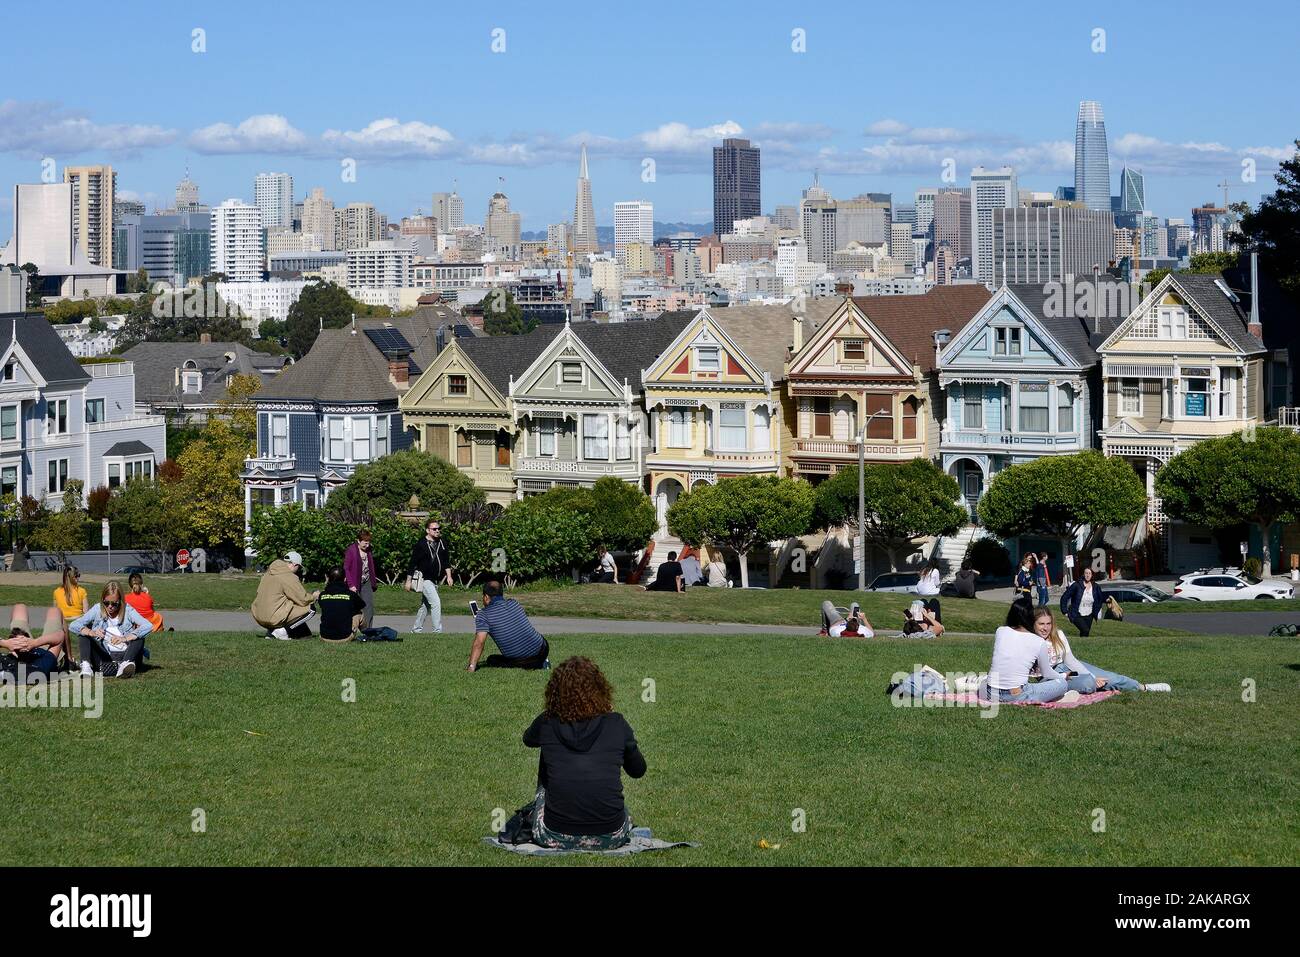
[(293, 558)]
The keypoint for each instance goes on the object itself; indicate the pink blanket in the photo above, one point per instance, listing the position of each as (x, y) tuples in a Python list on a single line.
[(968, 697)]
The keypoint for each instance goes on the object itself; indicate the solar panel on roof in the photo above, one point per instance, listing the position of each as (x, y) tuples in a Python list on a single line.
[(388, 340)]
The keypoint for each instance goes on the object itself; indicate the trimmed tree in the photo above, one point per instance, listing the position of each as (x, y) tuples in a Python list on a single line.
[(903, 501), (743, 514), (1235, 479), (619, 515), (1058, 495), (387, 484)]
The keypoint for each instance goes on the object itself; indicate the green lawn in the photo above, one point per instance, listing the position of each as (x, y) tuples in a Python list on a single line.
[(783, 606), (743, 731)]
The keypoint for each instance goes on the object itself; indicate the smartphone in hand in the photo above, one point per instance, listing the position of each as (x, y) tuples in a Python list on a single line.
[(473, 608)]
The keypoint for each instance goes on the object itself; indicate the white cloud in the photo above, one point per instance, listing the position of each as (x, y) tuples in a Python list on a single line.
[(263, 133), (887, 128), (1156, 156), (43, 129), (392, 139)]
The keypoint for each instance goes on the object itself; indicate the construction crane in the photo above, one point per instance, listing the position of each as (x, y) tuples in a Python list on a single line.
[(568, 277)]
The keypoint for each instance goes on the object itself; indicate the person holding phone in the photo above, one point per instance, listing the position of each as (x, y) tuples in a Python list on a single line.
[(430, 564), (503, 620), (1081, 676)]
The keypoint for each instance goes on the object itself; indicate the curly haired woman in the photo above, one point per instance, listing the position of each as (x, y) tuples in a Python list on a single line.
[(584, 744)]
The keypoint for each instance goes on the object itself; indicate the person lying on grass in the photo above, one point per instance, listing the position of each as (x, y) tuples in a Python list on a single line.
[(584, 745), (112, 635), (1081, 676), (1017, 650), (36, 654), (921, 621), (837, 625)]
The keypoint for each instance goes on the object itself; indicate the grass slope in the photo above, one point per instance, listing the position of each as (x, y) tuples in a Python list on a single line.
[(742, 731)]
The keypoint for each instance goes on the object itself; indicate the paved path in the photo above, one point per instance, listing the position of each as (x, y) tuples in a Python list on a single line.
[(1218, 622)]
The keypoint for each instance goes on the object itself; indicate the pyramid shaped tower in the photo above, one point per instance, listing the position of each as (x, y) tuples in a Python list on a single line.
[(584, 216)]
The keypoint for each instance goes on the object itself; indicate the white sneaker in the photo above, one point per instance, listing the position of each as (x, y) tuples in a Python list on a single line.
[(1070, 696), (281, 633), (126, 669), (86, 670), (1157, 686)]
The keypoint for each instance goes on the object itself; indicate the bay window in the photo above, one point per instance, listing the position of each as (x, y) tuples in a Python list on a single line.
[(679, 428), (972, 408), (911, 409), (1227, 408), (360, 439), (1065, 410), (1034, 400), (762, 430), (1130, 397), (381, 436), (1196, 392), (821, 417), (882, 426), (732, 427), (464, 450), (595, 437), (622, 439), (546, 437), (280, 435), (337, 444)]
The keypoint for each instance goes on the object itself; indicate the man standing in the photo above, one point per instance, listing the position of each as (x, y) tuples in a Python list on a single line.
[(430, 564), (503, 619), (359, 571), (282, 606), (1042, 579)]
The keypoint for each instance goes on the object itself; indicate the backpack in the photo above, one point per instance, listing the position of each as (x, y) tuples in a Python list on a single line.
[(519, 829), (1284, 631), (381, 633)]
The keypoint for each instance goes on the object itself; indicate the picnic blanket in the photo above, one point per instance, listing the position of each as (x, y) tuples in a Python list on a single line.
[(642, 840), (969, 697)]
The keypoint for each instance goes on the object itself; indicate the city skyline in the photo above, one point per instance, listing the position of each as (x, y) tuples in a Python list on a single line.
[(1185, 141)]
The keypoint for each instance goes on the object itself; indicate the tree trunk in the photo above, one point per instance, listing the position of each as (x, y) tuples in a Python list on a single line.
[(893, 556), (744, 569), (1266, 570)]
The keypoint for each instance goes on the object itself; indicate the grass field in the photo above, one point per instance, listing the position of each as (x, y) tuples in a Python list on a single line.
[(784, 606), (742, 732)]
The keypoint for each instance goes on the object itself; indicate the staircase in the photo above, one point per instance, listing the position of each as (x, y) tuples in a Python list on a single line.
[(663, 545), (951, 549)]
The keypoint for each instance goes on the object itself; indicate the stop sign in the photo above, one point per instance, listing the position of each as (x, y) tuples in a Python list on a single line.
[(183, 557)]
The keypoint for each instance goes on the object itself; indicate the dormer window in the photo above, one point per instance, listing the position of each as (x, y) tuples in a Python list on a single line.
[(707, 359), (855, 350), (571, 373), (191, 378), (1006, 341), (457, 385)]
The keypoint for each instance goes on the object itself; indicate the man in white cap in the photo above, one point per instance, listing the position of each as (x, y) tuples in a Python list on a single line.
[(282, 606)]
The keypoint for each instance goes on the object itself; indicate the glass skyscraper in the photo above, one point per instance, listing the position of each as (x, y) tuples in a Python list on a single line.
[(1132, 191), (1091, 158)]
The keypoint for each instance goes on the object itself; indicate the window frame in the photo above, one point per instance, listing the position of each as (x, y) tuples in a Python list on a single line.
[(54, 475), (729, 433), (1125, 408), (715, 351), (272, 437), (595, 429), (56, 417), (453, 380), (683, 419), (100, 415), (546, 435), (17, 423)]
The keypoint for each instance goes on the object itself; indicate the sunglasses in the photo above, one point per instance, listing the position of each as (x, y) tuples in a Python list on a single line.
[(112, 604), (436, 528)]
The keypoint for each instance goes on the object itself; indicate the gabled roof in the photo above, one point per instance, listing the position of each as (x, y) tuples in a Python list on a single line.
[(1079, 335), (156, 364), (765, 333), (1209, 295), (500, 357), (910, 322), (342, 366), (42, 346)]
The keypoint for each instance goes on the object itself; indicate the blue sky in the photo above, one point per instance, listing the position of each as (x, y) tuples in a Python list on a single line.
[(882, 95)]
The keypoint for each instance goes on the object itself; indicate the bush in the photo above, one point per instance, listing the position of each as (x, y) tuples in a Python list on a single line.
[(619, 515), (387, 484), (989, 557), (322, 539), (1253, 566)]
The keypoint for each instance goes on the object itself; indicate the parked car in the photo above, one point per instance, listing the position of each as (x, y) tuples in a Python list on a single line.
[(136, 570), (904, 582), (1135, 593), (1228, 584)]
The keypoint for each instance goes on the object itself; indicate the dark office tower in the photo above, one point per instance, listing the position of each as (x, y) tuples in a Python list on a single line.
[(737, 179)]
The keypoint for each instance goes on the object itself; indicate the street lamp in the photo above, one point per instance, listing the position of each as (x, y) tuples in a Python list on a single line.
[(862, 498)]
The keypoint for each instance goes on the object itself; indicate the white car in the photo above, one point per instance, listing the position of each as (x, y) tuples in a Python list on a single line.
[(1228, 584), (904, 582)]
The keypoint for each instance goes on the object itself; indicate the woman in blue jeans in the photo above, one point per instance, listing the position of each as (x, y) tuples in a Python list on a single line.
[(1086, 678), (1018, 650)]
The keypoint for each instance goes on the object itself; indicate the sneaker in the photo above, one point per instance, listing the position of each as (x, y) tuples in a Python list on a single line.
[(1157, 686), (126, 669), (546, 665), (1070, 696), (86, 670), (281, 633)]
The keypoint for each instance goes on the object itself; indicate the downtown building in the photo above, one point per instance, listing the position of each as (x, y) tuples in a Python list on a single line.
[(990, 190), (633, 223), (94, 192), (582, 238), (737, 183), (235, 241), (1038, 244), (273, 195), (1091, 158)]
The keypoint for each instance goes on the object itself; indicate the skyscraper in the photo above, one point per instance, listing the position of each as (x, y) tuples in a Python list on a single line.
[(737, 183), (633, 223), (1132, 191), (449, 211), (952, 222), (989, 190), (94, 190), (583, 236), (1036, 244), (273, 195), (318, 217), (235, 241), (187, 194), (501, 227), (1091, 159), (925, 198)]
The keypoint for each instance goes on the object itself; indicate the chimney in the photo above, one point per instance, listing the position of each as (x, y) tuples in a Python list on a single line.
[(399, 371), (844, 288), (1256, 327), (205, 337), (796, 334), (941, 337)]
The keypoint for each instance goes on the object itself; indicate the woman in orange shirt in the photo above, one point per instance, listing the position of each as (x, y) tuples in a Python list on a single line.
[(140, 599)]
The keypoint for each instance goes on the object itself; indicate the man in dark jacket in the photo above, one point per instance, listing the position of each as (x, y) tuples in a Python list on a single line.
[(430, 564)]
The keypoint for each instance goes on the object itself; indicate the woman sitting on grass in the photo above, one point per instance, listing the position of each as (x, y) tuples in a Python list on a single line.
[(70, 597), (140, 599), (112, 635), (1086, 678), (584, 744), (1017, 650)]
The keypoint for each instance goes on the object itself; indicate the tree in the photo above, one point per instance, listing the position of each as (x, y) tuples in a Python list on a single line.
[(387, 484), (534, 539), (1058, 495), (903, 501), (743, 514), (33, 285), (320, 305), (138, 282), (1205, 264), (153, 516), (1235, 479), (210, 486), (64, 531), (620, 516), (1273, 229), (181, 315), (502, 316), (71, 310), (97, 502)]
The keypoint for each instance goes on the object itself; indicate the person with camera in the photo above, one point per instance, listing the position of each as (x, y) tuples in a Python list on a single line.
[(282, 605), (430, 564)]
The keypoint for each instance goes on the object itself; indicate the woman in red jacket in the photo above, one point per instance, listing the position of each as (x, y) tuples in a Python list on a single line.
[(359, 570)]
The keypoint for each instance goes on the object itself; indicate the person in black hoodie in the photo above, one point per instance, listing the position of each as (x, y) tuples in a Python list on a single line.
[(584, 744), (341, 609)]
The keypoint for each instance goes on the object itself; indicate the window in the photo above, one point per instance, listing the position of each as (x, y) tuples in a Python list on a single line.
[(1227, 393), (1006, 341), (731, 428), (882, 426), (679, 428), (822, 421), (1130, 397), (464, 449), (972, 409), (1172, 322), (1065, 409), (595, 437), (11, 369), (503, 448), (1034, 399), (622, 439), (707, 359), (94, 411), (910, 409), (9, 480), (8, 423), (114, 474), (337, 445), (56, 417), (571, 372), (457, 385), (308, 500), (762, 430), (280, 436), (382, 425), (138, 468), (855, 350), (546, 437), (192, 380), (360, 439), (58, 479), (1196, 396)]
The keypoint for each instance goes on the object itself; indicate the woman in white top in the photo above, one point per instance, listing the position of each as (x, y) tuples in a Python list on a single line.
[(1081, 676), (607, 571), (927, 587), (1017, 650)]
